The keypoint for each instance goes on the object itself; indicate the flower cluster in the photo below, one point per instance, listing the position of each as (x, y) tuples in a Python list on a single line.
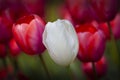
[(82, 34)]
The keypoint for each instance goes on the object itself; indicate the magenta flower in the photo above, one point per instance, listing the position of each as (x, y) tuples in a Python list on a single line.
[(80, 10), (105, 10), (115, 26), (35, 6), (28, 34), (5, 26), (91, 41)]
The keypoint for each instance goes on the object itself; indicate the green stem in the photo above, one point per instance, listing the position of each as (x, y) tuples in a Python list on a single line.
[(71, 74), (4, 62), (9, 76), (15, 65), (45, 67), (94, 71), (5, 66), (114, 49)]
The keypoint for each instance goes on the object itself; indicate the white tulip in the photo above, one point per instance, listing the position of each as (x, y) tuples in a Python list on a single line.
[(61, 41)]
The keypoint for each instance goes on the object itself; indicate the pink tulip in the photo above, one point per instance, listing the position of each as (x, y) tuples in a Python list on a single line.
[(28, 34), (101, 68), (91, 41)]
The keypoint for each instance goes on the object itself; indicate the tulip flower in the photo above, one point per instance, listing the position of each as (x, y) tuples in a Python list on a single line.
[(105, 10), (61, 41), (28, 34), (87, 10), (115, 26), (80, 10), (5, 26), (91, 41), (35, 6), (15, 7), (3, 52), (14, 49), (3, 5), (101, 68), (6, 74), (65, 14)]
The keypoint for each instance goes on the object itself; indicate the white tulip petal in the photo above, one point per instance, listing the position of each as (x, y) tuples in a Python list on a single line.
[(61, 41)]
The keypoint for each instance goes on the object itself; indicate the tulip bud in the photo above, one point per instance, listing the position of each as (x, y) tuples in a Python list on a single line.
[(61, 41), (14, 49), (3, 52), (28, 34), (92, 42), (100, 66)]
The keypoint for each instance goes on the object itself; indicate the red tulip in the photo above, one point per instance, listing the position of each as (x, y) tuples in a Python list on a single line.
[(65, 14), (115, 26), (91, 41), (4, 73), (3, 5), (28, 34), (21, 76), (14, 49), (80, 10), (35, 6), (7, 74), (105, 29), (5, 26), (86, 10), (15, 7), (101, 68), (105, 9), (3, 52)]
